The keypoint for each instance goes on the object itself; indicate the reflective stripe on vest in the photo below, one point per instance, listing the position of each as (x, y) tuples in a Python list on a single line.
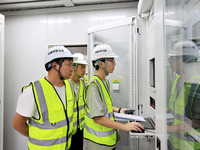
[(45, 126), (80, 119), (48, 142), (49, 125), (99, 133), (173, 95), (96, 132)]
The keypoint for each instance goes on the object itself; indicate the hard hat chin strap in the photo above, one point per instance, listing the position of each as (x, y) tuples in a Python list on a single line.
[(104, 68), (60, 64), (76, 72)]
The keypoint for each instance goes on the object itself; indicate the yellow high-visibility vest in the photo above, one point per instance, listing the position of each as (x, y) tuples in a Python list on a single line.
[(96, 132), (178, 106), (53, 129), (79, 107)]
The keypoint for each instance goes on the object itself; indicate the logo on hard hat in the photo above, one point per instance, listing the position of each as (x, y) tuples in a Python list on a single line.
[(102, 50), (57, 50)]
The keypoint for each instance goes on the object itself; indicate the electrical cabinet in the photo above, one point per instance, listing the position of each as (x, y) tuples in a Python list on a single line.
[(1, 78), (173, 46)]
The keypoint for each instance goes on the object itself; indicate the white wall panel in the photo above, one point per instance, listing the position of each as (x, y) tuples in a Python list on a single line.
[(27, 38), (26, 42)]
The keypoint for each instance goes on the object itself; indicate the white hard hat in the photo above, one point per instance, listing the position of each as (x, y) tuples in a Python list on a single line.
[(182, 48), (57, 52), (187, 49), (79, 59), (102, 51)]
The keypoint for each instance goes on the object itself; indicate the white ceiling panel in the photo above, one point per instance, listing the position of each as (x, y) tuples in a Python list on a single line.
[(23, 5)]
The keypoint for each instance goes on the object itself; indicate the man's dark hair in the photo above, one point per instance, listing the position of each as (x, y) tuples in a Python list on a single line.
[(97, 66)]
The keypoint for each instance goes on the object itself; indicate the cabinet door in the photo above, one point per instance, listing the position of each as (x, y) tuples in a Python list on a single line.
[(1, 78)]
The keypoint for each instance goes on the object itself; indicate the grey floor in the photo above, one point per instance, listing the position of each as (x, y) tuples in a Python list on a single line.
[(84, 145)]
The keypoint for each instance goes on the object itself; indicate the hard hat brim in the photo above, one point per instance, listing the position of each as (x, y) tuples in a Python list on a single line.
[(104, 57)]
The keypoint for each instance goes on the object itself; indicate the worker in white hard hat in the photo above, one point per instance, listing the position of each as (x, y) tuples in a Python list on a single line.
[(182, 52), (47, 105), (184, 98), (101, 130), (78, 84)]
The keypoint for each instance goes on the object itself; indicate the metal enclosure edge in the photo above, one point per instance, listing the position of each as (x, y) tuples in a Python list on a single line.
[(160, 75), (2, 18)]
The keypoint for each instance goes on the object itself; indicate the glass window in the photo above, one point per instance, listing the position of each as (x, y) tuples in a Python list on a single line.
[(182, 42)]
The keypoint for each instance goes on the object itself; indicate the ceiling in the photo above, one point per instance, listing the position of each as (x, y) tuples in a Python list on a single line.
[(24, 5)]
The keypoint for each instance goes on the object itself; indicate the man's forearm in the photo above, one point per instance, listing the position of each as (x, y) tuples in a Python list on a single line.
[(20, 125), (24, 130), (102, 120)]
